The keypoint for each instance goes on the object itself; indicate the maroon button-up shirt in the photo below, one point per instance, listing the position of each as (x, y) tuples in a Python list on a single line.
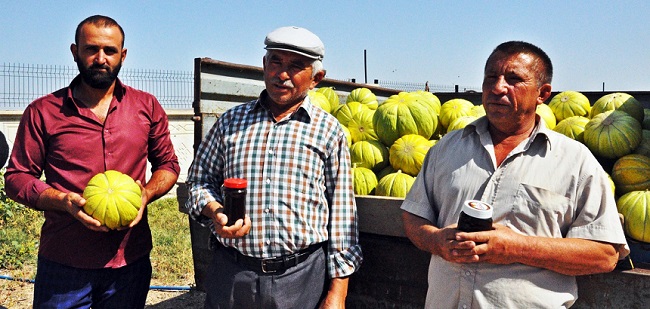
[(66, 143)]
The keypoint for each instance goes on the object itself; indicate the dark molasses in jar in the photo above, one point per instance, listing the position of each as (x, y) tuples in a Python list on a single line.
[(234, 199), (475, 216)]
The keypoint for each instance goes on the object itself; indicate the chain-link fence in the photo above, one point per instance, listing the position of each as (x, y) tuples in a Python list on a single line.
[(23, 83)]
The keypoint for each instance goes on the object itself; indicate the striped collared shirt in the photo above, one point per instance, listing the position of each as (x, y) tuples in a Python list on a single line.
[(299, 182)]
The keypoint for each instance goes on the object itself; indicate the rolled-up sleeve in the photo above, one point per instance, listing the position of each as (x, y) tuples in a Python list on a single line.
[(204, 175), (161, 149), (22, 178), (345, 254)]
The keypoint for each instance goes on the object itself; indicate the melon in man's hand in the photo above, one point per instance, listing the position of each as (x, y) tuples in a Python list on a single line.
[(113, 198)]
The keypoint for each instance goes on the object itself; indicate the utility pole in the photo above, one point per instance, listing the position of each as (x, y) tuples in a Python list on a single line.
[(365, 67)]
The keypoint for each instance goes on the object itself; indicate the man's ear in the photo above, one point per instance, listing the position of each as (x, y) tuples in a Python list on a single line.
[(317, 78), (73, 50), (544, 93)]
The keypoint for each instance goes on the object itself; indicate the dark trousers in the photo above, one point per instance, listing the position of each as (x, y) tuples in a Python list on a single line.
[(61, 286), (231, 285)]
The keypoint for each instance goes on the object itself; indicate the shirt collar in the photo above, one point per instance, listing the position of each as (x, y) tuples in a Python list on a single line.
[(304, 112), (118, 92), (540, 131)]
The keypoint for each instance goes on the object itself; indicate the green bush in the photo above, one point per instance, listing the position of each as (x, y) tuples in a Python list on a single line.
[(19, 231)]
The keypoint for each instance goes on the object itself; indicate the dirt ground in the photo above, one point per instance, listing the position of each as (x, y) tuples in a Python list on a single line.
[(18, 295)]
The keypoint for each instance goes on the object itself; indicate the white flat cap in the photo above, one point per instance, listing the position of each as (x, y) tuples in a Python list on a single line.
[(297, 40)]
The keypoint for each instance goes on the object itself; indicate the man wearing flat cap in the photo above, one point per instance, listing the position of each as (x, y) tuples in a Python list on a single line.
[(298, 241)]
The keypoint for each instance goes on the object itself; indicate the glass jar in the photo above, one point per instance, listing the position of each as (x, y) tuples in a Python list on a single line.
[(475, 216), (233, 192)]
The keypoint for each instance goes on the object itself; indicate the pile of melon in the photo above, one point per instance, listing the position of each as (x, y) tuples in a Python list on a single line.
[(389, 139), (616, 130)]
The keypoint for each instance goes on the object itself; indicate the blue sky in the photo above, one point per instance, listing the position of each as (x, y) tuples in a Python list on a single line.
[(442, 42)]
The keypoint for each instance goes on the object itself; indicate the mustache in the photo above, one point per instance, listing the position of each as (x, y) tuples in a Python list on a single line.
[(100, 66), (285, 83)]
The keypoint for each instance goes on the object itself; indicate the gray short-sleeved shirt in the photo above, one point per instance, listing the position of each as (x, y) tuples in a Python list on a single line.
[(549, 185)]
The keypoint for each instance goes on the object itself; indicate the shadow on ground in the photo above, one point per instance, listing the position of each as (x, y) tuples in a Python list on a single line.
[(188, 300)]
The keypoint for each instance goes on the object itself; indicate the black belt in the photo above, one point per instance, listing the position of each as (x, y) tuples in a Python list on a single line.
[(269, 265)]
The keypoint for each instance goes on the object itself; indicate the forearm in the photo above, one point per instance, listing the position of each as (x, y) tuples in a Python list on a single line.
[(160, 183), (51, 199), (569, 256), (336, 293), (421, 232)]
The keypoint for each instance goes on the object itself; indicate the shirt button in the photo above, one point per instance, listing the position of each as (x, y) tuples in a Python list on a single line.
[(268, 180), (464, 306), (267, 210), (467, 273), (268, 242)]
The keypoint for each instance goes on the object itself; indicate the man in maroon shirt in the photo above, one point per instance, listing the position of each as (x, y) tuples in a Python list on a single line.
[(95, 124)]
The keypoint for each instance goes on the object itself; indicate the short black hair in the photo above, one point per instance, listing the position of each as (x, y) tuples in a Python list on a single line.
[(544, 75), (99, 21)]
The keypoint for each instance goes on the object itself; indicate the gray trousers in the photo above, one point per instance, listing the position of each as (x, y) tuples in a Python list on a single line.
[(230, 285)]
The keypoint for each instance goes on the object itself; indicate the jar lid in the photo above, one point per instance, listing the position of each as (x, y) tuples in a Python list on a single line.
[(477, 209), (235, 183)]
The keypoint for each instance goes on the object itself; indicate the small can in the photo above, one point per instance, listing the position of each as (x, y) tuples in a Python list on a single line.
[(234, 199), (475, 216)]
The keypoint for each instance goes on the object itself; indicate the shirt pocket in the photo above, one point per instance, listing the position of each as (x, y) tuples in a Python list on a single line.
[(541, 212)]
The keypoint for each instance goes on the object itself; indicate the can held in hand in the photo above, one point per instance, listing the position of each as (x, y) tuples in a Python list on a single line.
[(475, 216), (234, 199)]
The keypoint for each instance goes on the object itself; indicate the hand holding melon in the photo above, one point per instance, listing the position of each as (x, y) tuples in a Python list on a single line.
[(112, 198)]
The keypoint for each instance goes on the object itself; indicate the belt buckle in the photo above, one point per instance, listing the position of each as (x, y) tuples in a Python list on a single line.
[(264, 270)]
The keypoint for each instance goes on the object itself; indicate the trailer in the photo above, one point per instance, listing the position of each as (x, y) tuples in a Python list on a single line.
[(394, 271)]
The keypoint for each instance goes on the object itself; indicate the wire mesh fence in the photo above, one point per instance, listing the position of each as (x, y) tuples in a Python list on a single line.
[(23, 83), (413, 86)]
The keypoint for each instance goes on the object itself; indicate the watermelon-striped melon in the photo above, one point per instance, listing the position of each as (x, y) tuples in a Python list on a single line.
[(612, 134), (478, 111), (461, 122), (429, 98), (408, 152), (331, 96), (369, 154), (364, 96), (361, 127), (646, 119), (619, 101), (345, 112), (644, 146), (631, 173), (364, 181), (453, 109), (573, 127), (320, 100), (396, 184), (401, 114), (635, 208), (568, 104), (546, 113)]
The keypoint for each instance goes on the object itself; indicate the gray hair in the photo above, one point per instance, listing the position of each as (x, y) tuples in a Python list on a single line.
[(316, 65)]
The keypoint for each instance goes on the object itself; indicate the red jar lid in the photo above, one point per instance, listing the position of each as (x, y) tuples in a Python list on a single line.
[(235, 183)]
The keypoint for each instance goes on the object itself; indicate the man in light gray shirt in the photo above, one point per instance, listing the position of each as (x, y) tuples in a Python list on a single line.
[(554, 211)]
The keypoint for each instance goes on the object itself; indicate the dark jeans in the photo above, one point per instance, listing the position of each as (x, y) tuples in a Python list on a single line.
[(61, 286), (231, 285)]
